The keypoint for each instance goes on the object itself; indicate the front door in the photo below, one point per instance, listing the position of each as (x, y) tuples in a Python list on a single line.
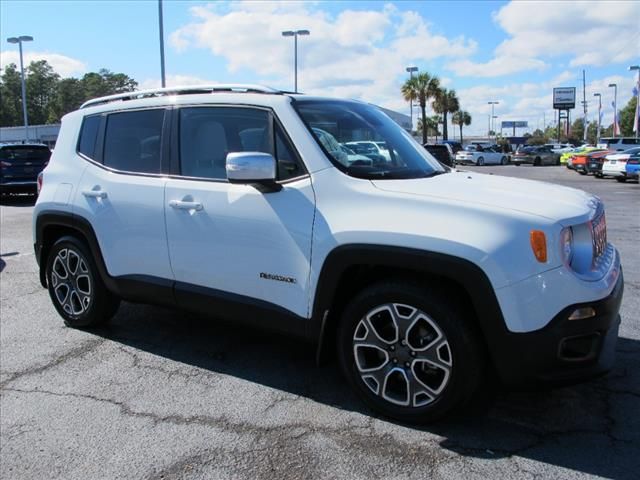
[(232, 241)]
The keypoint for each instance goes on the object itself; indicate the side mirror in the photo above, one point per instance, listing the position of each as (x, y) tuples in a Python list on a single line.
[(253, 168)]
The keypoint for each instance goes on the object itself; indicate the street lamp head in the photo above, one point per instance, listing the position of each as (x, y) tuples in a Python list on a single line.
[(303, 32), (22, 38), (634, 67), (613, 84), (411, 69), (288, 33), (493, 103), (597, 95)]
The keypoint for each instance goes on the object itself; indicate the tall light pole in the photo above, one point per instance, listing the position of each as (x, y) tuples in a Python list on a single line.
[(492, 103), (19, 40), (161, 29), (636, 120), (411, 70), (294, 34), (599, 115), (615, 108)]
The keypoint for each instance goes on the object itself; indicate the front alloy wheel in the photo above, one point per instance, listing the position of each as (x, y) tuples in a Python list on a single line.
[(410, 351), (401, 355)]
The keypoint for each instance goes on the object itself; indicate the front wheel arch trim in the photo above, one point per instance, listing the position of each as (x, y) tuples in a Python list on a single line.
[(464, 272)]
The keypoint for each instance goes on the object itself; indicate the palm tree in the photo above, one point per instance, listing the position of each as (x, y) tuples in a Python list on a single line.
[(422, 87), (431, 126), (461, 117), (445, 102)]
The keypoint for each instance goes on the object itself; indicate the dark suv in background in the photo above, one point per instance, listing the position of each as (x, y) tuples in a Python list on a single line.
[(20, 165)]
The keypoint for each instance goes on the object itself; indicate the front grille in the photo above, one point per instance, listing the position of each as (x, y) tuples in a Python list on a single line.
[(599, 235)]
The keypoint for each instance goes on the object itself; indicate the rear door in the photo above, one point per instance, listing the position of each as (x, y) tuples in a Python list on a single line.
[(121, 192)]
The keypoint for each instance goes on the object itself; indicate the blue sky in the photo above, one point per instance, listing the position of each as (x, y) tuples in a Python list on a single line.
[(510, 52)]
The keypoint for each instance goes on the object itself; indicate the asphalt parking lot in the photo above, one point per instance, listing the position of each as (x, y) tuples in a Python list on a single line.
[(161, 394)]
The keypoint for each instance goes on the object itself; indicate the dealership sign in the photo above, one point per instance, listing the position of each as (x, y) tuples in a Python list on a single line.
[(564, 98), (510, 124)]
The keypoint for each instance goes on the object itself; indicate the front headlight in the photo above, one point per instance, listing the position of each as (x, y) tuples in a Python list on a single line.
[(566, 245)]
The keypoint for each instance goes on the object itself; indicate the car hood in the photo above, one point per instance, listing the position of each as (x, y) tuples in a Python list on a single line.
[(566, 205)]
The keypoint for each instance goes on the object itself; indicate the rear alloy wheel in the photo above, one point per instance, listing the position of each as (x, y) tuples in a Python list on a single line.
[(480, 161), (409, 353), (75, 286)]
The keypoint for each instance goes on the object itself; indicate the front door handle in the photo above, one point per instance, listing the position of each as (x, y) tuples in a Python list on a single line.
[(184, 205)]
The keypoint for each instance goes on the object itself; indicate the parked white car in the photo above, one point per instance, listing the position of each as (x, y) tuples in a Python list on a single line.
[(238, 202), (481, 156), (560, 148), (615, 165), (379, 147)]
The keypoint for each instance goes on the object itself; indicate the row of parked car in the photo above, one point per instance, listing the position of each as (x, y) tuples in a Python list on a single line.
[(484, 153), (617, 158)]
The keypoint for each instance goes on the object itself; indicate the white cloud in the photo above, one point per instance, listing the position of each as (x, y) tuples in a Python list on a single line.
[(591, 33), (63, 65), (355, 54)]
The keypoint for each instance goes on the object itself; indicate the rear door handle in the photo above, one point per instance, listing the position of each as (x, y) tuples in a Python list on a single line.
[(184, 205), (94, 193)]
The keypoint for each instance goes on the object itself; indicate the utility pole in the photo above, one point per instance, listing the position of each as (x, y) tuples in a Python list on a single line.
[(411, 70), (295, 34), (599, 115), (584, 104), (19, 40), (161, 28)]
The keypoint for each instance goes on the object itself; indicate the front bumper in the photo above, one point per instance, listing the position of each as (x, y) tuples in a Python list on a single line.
[(613, 173), (564, 351)]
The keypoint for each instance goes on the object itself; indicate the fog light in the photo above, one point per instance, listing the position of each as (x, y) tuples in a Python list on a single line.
[(582, 313)]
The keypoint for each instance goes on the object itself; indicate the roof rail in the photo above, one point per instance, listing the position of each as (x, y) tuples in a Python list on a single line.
[(183, 90)]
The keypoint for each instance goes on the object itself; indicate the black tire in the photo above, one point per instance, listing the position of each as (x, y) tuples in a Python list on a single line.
[(598, 175), (467, 368), (480, 161), (93, 304), (621, 179), (503, 161), (536, 162), (581, 172)]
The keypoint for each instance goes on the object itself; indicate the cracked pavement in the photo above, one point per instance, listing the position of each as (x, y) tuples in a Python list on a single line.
[(160, 394)]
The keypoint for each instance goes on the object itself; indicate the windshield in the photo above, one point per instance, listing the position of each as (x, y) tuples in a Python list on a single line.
[(381, 148)]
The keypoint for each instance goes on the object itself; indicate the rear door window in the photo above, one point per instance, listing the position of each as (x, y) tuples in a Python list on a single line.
[(132, 141)]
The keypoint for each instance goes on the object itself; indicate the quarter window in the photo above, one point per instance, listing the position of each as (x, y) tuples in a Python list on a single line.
[(89, 135), (132, 141)]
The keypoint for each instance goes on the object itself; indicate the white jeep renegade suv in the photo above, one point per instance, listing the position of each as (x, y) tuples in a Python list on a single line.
[(240, 202)]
